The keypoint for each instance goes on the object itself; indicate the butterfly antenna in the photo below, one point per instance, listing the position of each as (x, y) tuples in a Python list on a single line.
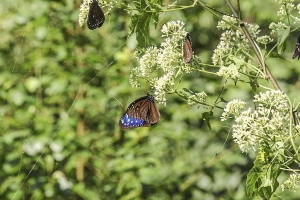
[(118, 101)]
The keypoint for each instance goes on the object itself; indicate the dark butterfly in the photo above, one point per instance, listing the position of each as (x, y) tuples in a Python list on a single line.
[(96, 16), (187, 49), (141, 112), (297, 49)]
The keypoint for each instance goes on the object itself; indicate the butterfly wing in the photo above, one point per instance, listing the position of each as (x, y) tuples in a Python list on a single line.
[(135, 114), (153, 115), (129, 122), (96, 16), (297, 49), (187, 49), (141, 112)]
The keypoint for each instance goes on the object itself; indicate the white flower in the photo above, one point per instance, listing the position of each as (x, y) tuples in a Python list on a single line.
[(234, 108), (229, 72), (292, 182), (161, 85), (232, 41), (159, 64), (270, 120), (264, 39), (84, 11), (196, 98), (276, 27)]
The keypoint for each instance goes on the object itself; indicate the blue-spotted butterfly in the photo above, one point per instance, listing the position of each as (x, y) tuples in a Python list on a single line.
[(141, 112), (187, 49), (297, 49), (95, 17)]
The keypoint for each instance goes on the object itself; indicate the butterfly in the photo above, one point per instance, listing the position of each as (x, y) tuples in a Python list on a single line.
[(297, 49), (141, 112), (187, 49), (95, 17)]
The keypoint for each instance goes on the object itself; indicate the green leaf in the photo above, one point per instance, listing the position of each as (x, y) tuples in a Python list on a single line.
[(262, 178), (276, 55), (207, 116), (148, 11), (223, 100), (253, 179), (238, 61), (140, 26), (282, 36)]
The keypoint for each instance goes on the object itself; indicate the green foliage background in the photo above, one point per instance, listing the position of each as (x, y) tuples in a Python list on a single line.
[(63, 89)]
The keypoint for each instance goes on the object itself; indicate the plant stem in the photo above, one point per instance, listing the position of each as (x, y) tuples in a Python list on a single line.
[(257, 51)]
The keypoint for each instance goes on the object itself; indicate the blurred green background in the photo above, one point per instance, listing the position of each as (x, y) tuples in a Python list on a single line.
[(63, 89)]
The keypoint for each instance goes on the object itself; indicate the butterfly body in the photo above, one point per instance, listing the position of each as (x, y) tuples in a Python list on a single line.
[(141, 112), (187, 49), (96, 16)]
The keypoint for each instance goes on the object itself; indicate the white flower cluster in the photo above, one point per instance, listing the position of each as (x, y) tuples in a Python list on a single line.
[(233, 108), (167, 56), (276, 27), (196, 98), (173, 29), (229, 72), (273, 98), (147, 63), (264, 39), (232, 42), (297, 19), (269, 120), (83, 11), (298, 8), (291, 183), (285, 10), (165, 60), (161, 85)]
